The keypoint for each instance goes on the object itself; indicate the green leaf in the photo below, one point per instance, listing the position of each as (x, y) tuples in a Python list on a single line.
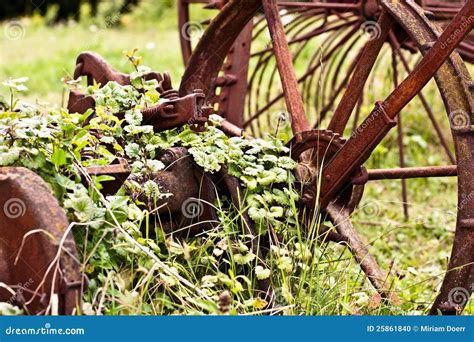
[(266, 177), (134, 117), (132, 150), (287, 163), (59, 157)]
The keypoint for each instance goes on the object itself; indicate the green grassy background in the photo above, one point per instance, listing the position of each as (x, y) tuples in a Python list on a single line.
[(48, 53)]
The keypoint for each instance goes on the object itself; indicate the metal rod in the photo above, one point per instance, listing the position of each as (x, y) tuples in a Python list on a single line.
[(454, 33), (356, 84), (369, 134), (401, 147), (413, 172), (284, 60), (326, 5)]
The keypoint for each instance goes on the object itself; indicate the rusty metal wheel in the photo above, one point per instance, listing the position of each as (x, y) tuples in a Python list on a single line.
[(39, 268), (326, 39), (398, 19), (324, 36)]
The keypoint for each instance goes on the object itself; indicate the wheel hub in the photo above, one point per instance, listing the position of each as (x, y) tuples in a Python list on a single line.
[(313, 149)]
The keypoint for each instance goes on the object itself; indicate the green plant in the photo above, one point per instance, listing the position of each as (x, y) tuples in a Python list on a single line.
[(58, 145), (13, 85)]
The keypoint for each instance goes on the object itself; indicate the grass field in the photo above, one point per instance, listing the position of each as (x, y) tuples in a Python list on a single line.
[(414, 250)]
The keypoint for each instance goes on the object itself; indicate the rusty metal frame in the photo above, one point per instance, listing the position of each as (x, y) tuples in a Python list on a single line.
[(202, 71)]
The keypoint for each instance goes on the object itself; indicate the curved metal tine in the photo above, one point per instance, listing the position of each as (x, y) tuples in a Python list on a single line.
[(354, 89), (302, 78), (294, 25), (396, 45), (340, 218), (358, 110), (401, 148), (255, 108), (306, 84), (307, 21), (314, 60), (323, 76), (300, 49), (283, 57), (315, 32), (323, 5), (263, 28), (336, 90)]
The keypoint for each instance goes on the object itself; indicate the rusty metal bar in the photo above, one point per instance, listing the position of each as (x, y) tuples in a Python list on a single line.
[(450, 10), (326, 5), (284, 60), (356, 84), (432, 61), (369, 134), (424, 102), (232, 97), (413, 172)]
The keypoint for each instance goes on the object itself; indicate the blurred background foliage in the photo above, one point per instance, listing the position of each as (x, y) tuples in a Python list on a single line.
[(66, 9), (44, 40)]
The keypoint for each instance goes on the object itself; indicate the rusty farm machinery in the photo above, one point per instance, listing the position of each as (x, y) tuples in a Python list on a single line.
[(234, 69)]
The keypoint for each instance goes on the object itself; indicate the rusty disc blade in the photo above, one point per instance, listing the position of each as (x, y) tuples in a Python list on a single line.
[(37, 251)]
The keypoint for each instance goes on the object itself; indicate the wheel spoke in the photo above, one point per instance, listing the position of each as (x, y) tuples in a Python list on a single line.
[(307, 74), (361, 73), (401, 148), (284, 60), (316, 32), (341, 221), (424, 102), (341, 86)]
